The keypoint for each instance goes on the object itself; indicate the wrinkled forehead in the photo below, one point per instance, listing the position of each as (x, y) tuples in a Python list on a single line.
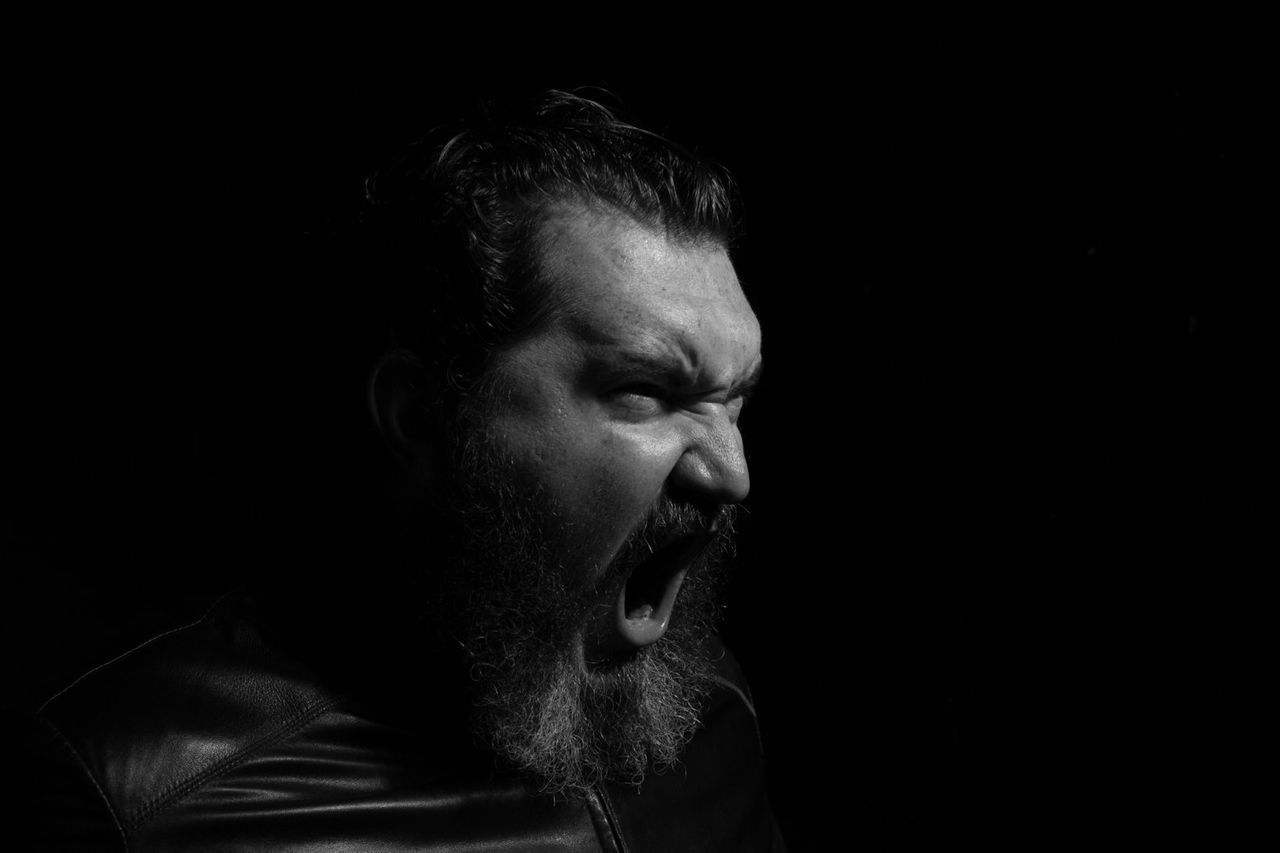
[(620, 281)]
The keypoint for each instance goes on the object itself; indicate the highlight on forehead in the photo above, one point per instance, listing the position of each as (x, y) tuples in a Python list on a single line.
[(593, 222)]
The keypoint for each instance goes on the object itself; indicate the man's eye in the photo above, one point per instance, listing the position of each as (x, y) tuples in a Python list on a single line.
[(639, 399)]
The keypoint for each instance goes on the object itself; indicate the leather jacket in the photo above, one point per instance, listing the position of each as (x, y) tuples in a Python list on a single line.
[(230, 733)]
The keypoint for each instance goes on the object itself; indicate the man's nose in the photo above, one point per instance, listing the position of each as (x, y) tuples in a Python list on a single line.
[(713, 466)]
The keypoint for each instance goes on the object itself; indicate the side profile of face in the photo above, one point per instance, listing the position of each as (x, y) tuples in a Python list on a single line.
[(631, 394), (595, 485)]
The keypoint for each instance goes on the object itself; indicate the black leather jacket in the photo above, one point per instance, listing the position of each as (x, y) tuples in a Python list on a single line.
[(223, 735)]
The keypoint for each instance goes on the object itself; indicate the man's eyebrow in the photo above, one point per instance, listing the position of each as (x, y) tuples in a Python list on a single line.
[(656, 363), (675, 368)]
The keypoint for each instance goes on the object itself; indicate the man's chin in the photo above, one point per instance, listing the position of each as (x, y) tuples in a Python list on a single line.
[(571, 726), (507, 594)]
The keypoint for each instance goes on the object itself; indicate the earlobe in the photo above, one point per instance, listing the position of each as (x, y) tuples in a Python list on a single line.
[(399, 400)]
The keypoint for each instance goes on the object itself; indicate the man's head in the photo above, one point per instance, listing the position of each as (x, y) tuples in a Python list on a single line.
[(569, 398)]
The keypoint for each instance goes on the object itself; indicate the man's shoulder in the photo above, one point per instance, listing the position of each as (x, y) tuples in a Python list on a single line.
[(230, 728), (220, 717), (182, 706)]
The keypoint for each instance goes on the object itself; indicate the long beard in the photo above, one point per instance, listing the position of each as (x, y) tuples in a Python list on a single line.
[(504, 596)]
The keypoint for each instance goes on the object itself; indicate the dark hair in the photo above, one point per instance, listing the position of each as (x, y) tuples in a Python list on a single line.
[(455, 225)]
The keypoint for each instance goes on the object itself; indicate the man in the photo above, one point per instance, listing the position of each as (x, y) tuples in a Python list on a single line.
[(572, 354)]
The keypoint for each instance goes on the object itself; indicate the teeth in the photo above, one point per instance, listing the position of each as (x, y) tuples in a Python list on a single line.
[(644, 611)]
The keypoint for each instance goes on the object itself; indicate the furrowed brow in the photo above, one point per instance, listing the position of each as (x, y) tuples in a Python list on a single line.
[(744, 387), (617, 363), (669, 366), (652, 363)]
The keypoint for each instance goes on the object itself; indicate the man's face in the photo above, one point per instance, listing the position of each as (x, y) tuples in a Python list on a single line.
[(592, 488), (632, 393)]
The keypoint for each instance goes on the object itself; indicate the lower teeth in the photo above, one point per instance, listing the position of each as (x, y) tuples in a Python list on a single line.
[(641, 612)]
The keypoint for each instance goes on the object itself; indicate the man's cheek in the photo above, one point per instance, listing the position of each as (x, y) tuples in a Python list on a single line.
[(640, 459), (624, 489)]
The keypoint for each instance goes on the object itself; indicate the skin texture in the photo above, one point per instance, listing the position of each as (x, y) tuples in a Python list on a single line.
[(576, 522), (632, 391)]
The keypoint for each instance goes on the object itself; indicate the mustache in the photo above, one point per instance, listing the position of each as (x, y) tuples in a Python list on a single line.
[(670, 520)]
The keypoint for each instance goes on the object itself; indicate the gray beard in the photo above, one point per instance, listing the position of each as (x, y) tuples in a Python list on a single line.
[(537, 704)]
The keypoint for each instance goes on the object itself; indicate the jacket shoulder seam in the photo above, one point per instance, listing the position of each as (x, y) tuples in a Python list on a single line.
[(184, 788), (106, 801), (40, 711)]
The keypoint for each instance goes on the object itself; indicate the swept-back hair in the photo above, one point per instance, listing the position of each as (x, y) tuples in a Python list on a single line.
[(455, 224)]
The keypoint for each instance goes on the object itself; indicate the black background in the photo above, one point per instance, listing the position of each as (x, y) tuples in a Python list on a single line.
[(1009, 574)]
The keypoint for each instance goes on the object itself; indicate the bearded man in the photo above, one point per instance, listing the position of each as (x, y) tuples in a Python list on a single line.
[(571, 355)]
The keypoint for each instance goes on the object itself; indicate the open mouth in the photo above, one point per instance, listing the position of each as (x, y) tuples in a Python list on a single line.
[(647, 599)]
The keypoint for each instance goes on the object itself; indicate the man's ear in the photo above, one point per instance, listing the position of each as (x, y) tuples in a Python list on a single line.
[(400, 399)]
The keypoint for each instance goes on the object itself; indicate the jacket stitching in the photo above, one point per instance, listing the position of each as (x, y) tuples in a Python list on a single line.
[(62, 739), (168, 798), (136, 648)]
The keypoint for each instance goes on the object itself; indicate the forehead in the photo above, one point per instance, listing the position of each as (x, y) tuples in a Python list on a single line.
[(621, 283)]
